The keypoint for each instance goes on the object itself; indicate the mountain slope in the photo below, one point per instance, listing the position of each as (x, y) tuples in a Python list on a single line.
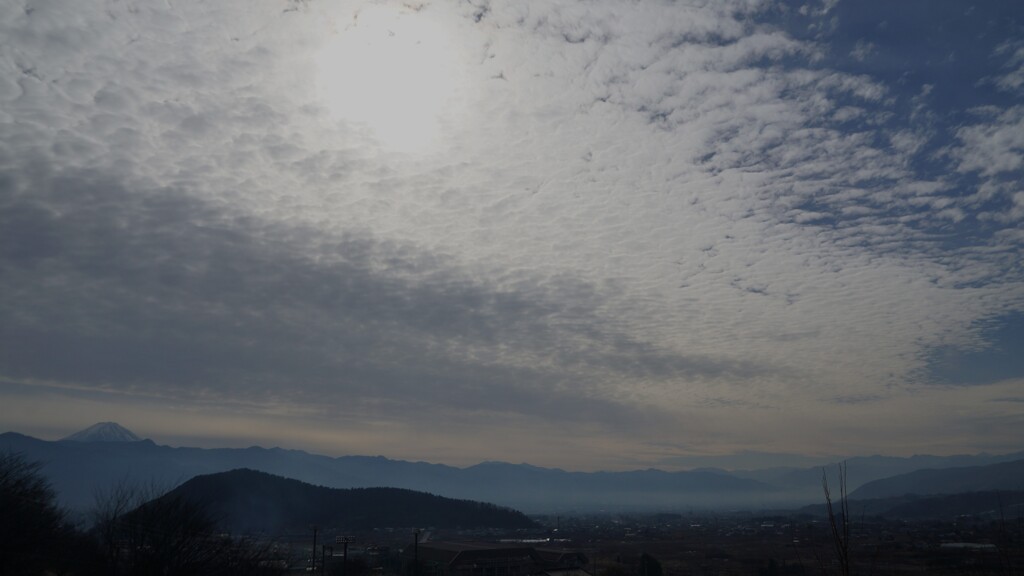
[(994, 505), (1002, 476), (78, 469), (103, 432), (248, 501), (864, 469)]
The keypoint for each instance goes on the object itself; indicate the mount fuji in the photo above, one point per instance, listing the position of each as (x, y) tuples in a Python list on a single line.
[(103, 432)]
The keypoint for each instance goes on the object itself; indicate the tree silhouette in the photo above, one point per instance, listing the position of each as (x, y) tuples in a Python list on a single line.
[(34, 536), (169, 535), (839, 524)]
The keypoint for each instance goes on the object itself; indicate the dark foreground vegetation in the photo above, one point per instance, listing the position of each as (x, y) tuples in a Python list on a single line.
[(192, 529), (131, 532)]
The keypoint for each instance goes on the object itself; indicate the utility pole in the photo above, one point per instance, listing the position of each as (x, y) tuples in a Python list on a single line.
[(312, 556), (344, 540), (324, 549), (416, 552)]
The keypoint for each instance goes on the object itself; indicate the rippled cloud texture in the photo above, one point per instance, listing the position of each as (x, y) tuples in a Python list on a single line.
[(596, 235)]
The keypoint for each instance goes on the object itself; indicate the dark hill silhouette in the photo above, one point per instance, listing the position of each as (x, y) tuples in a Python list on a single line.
[(248, 501), (864, 469), (1002, 476), (994, 505)]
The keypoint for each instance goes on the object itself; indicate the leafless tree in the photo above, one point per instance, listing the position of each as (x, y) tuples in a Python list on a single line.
[(28, 516), (169, 535), (35, 536), (839, 524)]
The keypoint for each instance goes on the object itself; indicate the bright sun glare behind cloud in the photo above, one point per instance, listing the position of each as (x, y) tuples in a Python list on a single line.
[(393, 73)]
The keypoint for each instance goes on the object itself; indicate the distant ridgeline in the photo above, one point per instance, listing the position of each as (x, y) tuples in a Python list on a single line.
[(106, 455), (996, 505), (248, 501)]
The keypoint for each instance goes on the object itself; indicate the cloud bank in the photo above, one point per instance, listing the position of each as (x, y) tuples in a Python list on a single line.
[(625, 233)]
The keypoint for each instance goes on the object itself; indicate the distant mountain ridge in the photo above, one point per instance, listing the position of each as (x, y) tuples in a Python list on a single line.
[(249, 501), (862, 470), (78, 470), (1000, 476), (994, 505)]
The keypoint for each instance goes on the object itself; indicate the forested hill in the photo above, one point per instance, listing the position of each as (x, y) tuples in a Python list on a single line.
[(1001, 476), (248, 501)]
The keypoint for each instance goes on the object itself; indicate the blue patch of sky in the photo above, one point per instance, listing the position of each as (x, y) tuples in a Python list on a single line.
[(906, 45), (1002, 358), (948, 46)]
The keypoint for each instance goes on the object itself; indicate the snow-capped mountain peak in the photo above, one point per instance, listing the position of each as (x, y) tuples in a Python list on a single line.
[(104, 432)]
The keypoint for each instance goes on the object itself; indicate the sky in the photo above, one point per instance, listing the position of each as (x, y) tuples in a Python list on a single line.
[(594, 235)]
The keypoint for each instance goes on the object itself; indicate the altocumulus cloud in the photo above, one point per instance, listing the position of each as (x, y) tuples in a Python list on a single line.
[(160, 290), (652, 230)]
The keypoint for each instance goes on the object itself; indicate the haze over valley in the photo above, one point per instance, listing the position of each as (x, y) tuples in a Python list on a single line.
[(108, 455)]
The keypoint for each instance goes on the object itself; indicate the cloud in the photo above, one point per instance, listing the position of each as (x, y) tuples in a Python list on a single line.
[(661, 218), (1013, 78), (138, 290), (993, 147)]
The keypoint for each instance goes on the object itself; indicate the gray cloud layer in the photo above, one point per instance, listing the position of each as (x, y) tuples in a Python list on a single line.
[(159, 290), (705, 225)]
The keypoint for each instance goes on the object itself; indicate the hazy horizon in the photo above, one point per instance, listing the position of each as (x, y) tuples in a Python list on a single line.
[(746, 460)]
